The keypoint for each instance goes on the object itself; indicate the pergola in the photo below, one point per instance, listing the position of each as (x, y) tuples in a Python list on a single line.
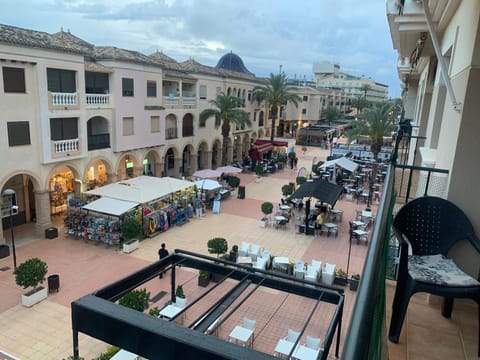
[(98, 315)]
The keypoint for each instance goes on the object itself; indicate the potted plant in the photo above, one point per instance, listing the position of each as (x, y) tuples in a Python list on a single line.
[(131, 230), (258, 172), (233, 253), (203, 278), (218, 246), (179, 292), (233, 181), (340, 277), (287, 189), (32, 273), (354, 281), (136, 300), (267, 209)]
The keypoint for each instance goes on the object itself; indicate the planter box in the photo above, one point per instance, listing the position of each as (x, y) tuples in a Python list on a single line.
[(31, 298), (342, 281), (203, 281), (354, 284), (130, 246)]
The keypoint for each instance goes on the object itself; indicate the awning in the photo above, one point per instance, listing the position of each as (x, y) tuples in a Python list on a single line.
[(322, 190), (275, 142), (263, 148), (142, 189), (343, 162), (110, 206)]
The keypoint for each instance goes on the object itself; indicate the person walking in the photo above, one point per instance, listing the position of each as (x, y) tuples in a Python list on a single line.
[(318, 224), (162, 253)]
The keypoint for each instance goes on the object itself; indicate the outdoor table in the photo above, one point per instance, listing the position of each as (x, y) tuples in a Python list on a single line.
[(305, 353), (281, 263), (283, 347), (367, 214), (244, 260), (337, 214), (284, 207), (170, 311), (244, 335), (358, 223), (330, 226)]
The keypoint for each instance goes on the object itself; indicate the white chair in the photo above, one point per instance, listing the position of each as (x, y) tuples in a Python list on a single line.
[(244, 248), (254, 251), (292, 335), (328, 274), (311, 275), (299, 274), (266, 256), (312, 343), (261, 263), (300, 265), (180, 302), (248, 323)]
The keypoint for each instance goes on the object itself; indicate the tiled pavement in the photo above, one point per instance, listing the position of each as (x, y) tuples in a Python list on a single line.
[(44, 331)]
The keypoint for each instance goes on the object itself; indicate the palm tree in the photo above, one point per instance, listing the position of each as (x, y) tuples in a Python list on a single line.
[(275, 93), (360, 103), (227, 111), (374, 123), (331, 113), (365, 88)]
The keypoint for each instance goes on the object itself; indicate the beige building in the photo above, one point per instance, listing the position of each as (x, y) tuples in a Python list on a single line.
[(438, 64), (328, 75), (76, 116)]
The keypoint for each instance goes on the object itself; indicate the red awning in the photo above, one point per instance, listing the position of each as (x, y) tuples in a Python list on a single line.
[(263, 148), (275, 142)]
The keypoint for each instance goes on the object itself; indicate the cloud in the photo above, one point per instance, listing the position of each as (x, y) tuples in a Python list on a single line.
[(265, 33)]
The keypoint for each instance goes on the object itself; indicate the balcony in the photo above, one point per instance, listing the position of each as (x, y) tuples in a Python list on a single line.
[(173, 101), (100, 141), (97, 100), (63, 99), (65, 147), (171, 133)]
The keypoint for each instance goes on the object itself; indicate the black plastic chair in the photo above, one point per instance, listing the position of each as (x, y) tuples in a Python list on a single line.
[(431, 225)]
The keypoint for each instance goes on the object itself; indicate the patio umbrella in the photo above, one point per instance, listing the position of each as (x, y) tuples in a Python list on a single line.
[(322, 190), (207, 173), (229, 169), (207, 184)]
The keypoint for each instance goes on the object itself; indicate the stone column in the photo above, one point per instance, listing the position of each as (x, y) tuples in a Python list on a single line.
[(193, 164), (239, 151), (208, 159), (42, 209), (110, 178), (229, 153), (176, 167), (158, 169)]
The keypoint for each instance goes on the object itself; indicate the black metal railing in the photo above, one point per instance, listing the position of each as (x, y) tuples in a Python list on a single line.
[(171, 133), (100, 141), (365, 337)]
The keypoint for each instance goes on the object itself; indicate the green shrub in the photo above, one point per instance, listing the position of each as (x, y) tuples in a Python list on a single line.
[(179, 292), (300, 180), (31, 273), (233, 181), (267, 208), (107, 355), (287, 189), (131, 229), (154, 311), (136, 300), (204, 274), (217, 246), (316, 168), (259, 169)]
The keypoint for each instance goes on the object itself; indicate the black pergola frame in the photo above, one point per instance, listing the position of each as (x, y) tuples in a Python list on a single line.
[(98, 316)]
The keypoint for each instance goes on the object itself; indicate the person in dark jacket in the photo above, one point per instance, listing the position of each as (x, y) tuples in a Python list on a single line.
[(162, 253)]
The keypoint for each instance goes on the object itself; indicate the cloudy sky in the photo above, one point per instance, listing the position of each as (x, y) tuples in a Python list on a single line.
[(266, 34)]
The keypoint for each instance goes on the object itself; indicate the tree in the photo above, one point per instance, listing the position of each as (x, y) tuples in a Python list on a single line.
[(31, 273), (360, 103), (374, 123), (365, 88), (275, 93), (217, 246), (227, 111), (136, 300), (331, 113)]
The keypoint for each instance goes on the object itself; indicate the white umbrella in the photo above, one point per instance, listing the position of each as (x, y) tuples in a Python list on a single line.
[(229, 169), (207, 173), (207, 184)]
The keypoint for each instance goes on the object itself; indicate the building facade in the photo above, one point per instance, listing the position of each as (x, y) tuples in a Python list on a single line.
[(438, 44)]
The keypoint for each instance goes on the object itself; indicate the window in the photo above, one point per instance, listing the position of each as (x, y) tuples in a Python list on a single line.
[(249, 96), (218, 90), (18, 133), (203, 91), (96, 83), (127, 126), (305, 98), (151, 88), (13, 80), (154, 124), (304, 111), (63, 129), (61, 81), (127, 87)]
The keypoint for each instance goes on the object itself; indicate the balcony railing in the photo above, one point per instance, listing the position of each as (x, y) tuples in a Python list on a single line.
[(98, 99), (171, 133), (64, 99), (179, 101), (65, 146), (189, 101), (100, 141)]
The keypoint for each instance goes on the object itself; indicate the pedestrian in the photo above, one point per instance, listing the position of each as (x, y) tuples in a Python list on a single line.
[(318, 224), (198, 208), (162, 253), (295, 162)]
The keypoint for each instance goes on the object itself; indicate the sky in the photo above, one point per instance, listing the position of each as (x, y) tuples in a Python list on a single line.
[(266, 34)]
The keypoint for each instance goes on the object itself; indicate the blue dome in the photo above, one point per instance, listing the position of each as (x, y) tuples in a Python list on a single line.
[(232, 62)]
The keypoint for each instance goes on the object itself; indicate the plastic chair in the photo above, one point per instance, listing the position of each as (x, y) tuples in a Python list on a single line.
[(431, 226), (312, 343)]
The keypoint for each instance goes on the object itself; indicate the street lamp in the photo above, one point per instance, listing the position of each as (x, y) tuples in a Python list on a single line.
[(11, 194)]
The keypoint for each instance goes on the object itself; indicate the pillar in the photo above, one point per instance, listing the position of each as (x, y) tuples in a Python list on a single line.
[(193, 164), (229, 153), (176, 167), (158, 168), (208, 159), (42, 209)]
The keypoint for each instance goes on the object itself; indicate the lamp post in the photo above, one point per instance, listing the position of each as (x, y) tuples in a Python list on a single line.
[(11, 194)]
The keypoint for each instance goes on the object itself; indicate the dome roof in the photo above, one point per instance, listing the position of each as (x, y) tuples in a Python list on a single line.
[(232, 62)]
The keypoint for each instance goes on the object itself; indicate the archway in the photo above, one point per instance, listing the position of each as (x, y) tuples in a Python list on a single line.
[(149, 164), (188, 160), (98, 136), (127, 167), (170, 168), (171, 126), (216, 154), (98, 173), (202, 156)]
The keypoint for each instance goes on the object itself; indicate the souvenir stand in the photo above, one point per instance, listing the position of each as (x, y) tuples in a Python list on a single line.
[(160, 200)]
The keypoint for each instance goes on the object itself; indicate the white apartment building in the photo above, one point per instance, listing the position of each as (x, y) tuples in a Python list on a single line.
[(328, 75)]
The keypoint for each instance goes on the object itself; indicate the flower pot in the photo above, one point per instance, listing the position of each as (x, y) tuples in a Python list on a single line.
[(340, 280), (263, 223), (203, 281), (35, 296), (354, 284), (130, 246)]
